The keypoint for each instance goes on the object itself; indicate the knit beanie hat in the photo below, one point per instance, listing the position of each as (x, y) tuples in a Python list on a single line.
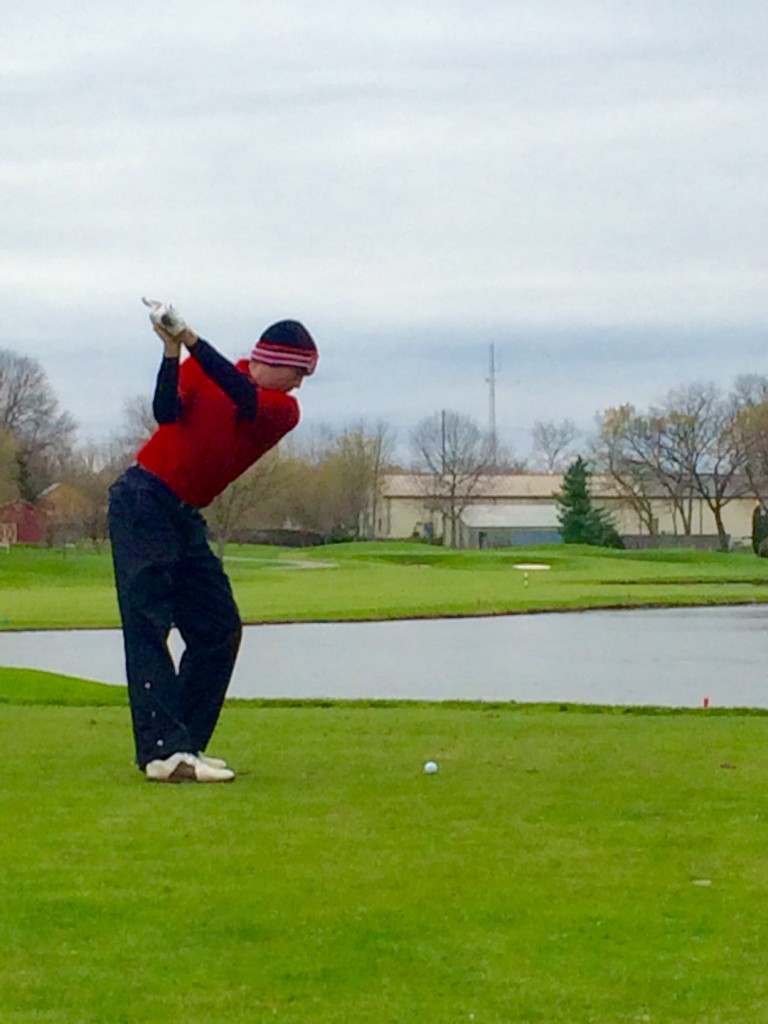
[(287, 343)]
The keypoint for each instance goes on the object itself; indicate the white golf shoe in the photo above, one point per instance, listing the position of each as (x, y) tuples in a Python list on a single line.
[(186, 768), (213, 762)]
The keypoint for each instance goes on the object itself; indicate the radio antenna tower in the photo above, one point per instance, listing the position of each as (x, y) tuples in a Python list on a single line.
[(491, 382)]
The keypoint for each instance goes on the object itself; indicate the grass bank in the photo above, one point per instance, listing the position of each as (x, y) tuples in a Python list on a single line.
[(590, 868), (55, 589)]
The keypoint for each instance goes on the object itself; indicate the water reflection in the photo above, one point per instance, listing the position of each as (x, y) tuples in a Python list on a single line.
[(672, 657)]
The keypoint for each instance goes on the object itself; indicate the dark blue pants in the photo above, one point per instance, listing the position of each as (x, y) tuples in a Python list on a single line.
[(167, 575)]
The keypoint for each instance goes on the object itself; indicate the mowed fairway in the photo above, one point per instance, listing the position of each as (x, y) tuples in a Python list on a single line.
[(561, 866), (74, 588)]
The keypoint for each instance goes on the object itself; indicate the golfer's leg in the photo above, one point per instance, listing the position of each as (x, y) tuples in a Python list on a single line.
[(153, 686), (143, 549), (209, 623)]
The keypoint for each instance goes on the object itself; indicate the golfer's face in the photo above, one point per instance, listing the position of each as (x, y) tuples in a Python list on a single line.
[(276, 378), (280, 378)]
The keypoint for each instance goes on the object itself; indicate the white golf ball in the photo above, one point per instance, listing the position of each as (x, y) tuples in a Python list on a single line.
[(430, 767)]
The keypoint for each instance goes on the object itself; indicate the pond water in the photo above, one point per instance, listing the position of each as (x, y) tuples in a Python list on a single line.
[(671, 657)]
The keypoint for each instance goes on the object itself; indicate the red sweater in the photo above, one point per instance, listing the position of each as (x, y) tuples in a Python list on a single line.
[(209, 446)]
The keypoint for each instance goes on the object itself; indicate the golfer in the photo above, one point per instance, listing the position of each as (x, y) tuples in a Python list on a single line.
[(215, 419)]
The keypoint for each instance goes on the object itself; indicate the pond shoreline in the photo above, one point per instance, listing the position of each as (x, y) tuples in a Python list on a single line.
[(629, 606)]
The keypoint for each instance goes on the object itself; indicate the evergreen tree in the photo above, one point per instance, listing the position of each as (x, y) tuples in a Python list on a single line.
[(580, 522)]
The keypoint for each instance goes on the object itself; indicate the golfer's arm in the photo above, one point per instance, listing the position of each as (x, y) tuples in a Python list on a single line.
[(226, 376), (166, 403)]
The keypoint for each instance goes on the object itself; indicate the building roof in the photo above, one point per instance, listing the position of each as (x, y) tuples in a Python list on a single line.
[(534, 486), (499, 486)]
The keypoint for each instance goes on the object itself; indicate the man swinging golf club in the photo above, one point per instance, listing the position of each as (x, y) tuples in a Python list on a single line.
[(215, 419)]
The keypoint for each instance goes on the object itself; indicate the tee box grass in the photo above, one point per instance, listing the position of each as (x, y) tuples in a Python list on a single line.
[(563, 865), (566, 866)]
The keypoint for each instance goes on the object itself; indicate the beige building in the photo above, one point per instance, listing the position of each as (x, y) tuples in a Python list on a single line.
[(520, 508)]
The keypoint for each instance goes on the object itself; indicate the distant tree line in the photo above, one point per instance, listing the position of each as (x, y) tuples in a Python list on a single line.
[(698, 443)]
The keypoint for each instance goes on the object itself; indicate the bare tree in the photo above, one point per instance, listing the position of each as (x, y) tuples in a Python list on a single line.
[(651, 456), (77, 504), (621, 451), (352, 468), (717, 452), (29, 409), (688, 447), (339, 491), (138, 425), (238, 505), (553, 444), (380, 448), (9, 468), (453, 455), (750, 409), (138, 420)]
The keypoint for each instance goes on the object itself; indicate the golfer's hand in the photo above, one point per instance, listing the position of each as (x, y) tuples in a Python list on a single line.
[(166, 316), (173, 342), (169, 325)]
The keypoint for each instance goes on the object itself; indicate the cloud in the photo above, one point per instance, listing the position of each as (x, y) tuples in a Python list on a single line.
[(404, 174)]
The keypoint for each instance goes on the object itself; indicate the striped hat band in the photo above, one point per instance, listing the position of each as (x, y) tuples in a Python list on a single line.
[(285, 355), (287, 343)]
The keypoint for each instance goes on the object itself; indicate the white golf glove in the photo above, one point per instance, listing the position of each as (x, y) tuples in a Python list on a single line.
[(165, 316)]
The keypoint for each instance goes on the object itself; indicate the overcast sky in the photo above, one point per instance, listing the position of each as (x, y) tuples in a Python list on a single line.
[(581, 184)]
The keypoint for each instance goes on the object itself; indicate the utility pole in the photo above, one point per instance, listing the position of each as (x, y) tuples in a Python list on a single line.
[(442, 447), (491, 381)]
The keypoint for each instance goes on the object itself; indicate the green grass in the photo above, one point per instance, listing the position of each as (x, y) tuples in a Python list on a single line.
[(548, 873), (577, 865), (43, 588), (31, 686)]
